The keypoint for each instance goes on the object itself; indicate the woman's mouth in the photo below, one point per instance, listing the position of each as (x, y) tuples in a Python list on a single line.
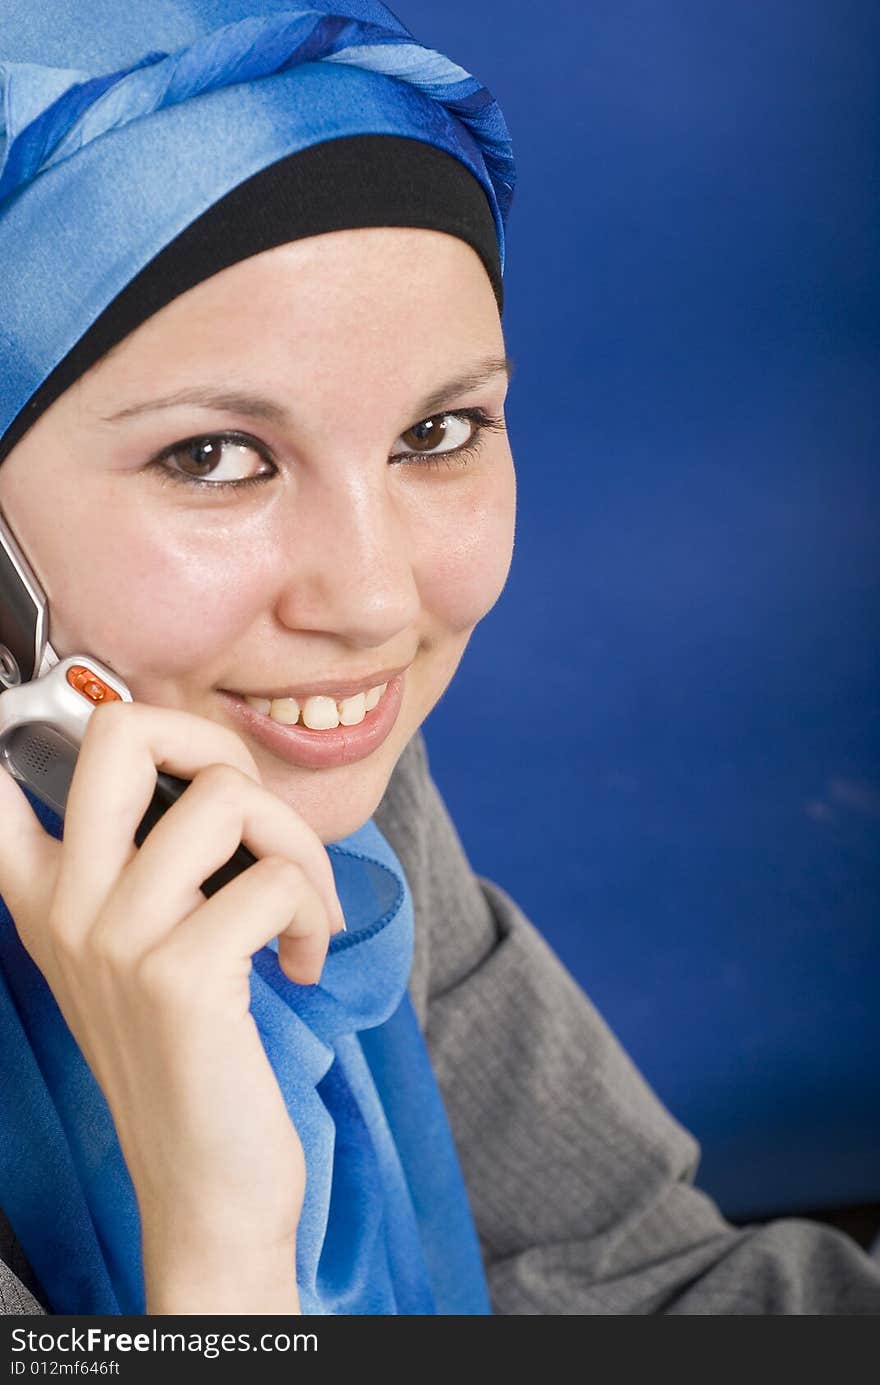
[(319, 732), (318, 713)]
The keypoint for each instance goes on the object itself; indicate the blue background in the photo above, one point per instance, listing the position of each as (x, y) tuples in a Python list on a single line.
[(663, 740)]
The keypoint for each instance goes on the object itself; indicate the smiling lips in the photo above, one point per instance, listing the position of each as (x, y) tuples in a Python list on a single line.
[(317, 712), (332, 744)]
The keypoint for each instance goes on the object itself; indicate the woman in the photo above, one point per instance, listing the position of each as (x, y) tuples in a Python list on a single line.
[(253, 441)]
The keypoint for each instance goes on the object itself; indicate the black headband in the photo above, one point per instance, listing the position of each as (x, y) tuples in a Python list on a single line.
[(358, 180)]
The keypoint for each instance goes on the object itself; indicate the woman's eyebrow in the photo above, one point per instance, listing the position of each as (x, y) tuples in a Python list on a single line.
[(258, 406), (480, 374)]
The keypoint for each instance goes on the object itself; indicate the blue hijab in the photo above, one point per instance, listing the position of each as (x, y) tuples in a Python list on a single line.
[(119, 128), (181, 101)]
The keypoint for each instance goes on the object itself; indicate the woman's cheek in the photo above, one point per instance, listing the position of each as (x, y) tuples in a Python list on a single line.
[(157, 607), (465, 564)]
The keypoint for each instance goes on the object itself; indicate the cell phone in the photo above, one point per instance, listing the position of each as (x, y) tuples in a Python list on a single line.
[(46, 702)]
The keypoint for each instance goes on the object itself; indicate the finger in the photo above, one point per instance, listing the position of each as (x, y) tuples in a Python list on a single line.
[(29, 862), (196, 835), (273, 898), (113, 783)]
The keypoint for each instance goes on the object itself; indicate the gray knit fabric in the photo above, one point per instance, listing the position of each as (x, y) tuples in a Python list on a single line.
[(579, 1179), (17, 1283)]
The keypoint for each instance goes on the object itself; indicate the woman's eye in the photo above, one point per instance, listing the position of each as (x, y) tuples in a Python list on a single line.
[(226, 461), (222, 459), (437, 434)]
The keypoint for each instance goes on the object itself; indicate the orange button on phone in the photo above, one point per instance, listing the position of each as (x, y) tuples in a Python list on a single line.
[(87, 682)]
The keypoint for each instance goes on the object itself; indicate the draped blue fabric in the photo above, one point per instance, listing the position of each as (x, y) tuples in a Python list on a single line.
[(195, 105), (385, 1228)]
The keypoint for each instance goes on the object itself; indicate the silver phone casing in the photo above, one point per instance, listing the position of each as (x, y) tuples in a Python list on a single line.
[(42, 723)]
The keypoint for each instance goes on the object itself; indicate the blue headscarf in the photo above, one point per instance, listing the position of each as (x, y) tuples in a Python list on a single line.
[(119, 126)]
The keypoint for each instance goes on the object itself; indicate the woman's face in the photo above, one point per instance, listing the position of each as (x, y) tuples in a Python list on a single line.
[(363, 543)]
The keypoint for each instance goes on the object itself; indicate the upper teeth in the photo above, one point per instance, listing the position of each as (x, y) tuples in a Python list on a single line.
[(319, 713)]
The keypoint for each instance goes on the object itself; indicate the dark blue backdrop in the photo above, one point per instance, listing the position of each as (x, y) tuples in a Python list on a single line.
[(663, 741)]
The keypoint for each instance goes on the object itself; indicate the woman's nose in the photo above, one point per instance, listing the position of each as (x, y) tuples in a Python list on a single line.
[(350, 563)]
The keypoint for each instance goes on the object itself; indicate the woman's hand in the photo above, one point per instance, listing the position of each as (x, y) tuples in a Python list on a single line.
[(153, 981)]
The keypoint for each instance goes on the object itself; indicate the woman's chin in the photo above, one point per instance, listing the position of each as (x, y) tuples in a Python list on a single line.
[(334, 803), (330, 824)]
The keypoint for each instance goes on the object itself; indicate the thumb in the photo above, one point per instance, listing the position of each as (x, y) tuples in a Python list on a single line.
[(29, 858)]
